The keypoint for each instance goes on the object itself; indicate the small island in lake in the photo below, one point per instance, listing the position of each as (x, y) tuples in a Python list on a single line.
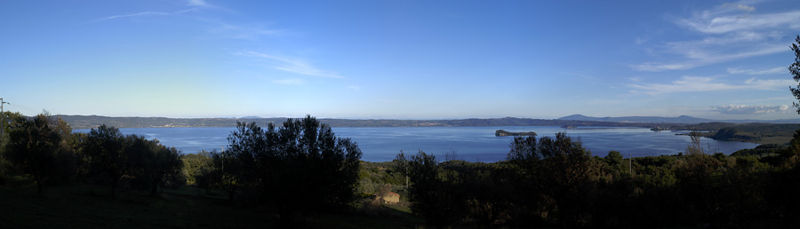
[(501, 133)]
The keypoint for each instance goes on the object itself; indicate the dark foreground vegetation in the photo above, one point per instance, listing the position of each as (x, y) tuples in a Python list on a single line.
[(299, 174)]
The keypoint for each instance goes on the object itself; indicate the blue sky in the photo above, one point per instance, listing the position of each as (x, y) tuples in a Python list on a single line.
[(399, 59)]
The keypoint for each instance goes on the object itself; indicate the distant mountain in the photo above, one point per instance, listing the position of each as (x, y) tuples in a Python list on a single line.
[(639, 119), (683, 119), (85, 122), (92, 121)]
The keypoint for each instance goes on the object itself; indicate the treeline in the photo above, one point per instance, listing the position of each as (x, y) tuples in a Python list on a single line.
[(555, 182), (298, 169), (44, 148)]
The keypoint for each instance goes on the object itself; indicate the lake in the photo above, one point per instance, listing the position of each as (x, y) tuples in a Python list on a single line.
[(465, 143)]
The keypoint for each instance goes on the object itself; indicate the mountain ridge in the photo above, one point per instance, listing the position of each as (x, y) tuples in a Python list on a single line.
[(92, 121)]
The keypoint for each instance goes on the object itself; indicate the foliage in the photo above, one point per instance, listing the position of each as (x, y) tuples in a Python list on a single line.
[(554, 182), (105, 149), (112, 157), (153, 165), (299, 167), (197, 169), (37, 147), (794, 69)]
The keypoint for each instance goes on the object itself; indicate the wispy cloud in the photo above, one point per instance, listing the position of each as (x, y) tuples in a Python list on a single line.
[(242, 31), (703, 56), (749, 109), (292, 65), (730, 32), (742, 22), (290, 81), (194, 4), (147, 13), (201, 3), (775, 70), (706, 84)]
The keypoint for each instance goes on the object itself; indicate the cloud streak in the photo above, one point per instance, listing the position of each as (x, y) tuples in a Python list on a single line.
[(730, 32), (201, 3), (292, 65), (749, 109), (700, 57), (146, 13), (194, 4), (739, 22), (708, 84), (241, 32), (775, 70)]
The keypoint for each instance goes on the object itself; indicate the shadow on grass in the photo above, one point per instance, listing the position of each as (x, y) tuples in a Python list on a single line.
[(91, 206)]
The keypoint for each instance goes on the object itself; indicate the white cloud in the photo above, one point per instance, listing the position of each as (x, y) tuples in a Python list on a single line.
[(699, 57), (738, 22), (146, 13), (197, 3), (749, 109), (729, 32), (290, 81), (292, 65), (745, 7), (241, 31), (775, 70), (706, 84)]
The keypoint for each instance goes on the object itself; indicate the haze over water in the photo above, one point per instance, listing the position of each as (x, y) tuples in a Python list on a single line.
[(466, 143)]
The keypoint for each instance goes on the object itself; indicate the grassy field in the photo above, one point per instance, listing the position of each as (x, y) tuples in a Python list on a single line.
[(90, 206)]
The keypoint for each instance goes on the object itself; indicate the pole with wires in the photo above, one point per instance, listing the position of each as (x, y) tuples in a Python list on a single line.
[(2, 117)]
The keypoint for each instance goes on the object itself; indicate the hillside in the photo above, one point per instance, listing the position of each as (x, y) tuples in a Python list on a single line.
[(683, 119), (85, 122)]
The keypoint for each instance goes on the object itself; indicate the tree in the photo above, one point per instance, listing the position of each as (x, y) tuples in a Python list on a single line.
[(434, 199), (794, 69), (164, 169), (197, 169), (151, 163), (523, 149), (11, 120), (299, 167), (695, 148), (105, 147), (226, 173), (33, 147)]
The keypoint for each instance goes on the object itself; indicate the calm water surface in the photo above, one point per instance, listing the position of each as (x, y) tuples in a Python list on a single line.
[(466, 143)]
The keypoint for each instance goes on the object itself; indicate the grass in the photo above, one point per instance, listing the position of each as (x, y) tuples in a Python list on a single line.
[(90, 206)]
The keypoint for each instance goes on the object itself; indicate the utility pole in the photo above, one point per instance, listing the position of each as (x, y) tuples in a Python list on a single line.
[(630, 164), (3, 117)]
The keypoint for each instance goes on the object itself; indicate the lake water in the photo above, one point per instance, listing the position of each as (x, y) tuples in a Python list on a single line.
[(465, 143)]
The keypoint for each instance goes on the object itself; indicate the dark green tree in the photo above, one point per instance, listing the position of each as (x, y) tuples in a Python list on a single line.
[(429, 196), (794, 69), (34, 147), (226, 173), (300, 167), (198, 169), (151, 163), (105, 147)]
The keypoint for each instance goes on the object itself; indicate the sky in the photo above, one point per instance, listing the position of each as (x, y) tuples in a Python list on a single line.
[(399, 59)]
